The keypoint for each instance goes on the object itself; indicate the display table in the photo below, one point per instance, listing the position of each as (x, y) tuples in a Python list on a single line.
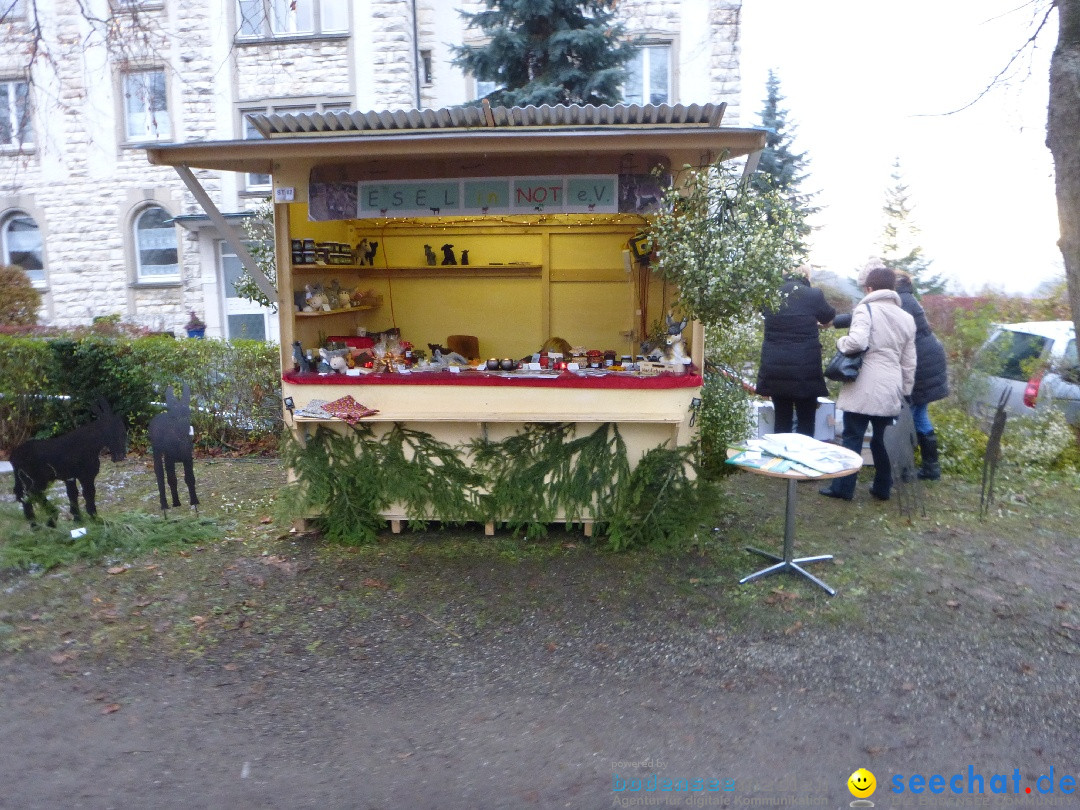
[(805, 451), (518, 379), (470, 397)]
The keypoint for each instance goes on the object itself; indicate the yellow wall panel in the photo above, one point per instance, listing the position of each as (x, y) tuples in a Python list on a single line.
[(592, 315), (503, 313), (588, 250)]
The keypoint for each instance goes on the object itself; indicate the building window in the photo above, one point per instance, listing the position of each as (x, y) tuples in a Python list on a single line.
[(486, 88), (146, 108), (21, 244), (283, 18), (15, 131), (426, 67), (261, 182), (156, 254), (648, 78)]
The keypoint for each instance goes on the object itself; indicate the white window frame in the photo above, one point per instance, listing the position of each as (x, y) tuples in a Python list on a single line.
[(18, 120), (156, 123), (37, 276), (276, 19), (142, 273), (261, 183), (647, 53), (232, 304)]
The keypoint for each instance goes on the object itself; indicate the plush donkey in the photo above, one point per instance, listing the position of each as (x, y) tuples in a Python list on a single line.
[(171, 442), (71, 458)]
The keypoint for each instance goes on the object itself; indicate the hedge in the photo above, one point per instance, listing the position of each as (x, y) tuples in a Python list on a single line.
[(47, 384)]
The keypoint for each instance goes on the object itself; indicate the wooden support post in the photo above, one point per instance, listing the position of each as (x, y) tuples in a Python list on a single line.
[(587, 526), (489, 529), (395, 526)]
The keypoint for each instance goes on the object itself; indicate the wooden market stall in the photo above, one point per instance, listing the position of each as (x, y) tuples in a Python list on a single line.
[(510, 227)]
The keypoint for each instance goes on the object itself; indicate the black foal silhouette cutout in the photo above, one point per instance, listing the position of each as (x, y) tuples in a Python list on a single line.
[(172, 443)]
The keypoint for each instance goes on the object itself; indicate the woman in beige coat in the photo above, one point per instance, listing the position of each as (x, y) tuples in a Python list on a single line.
[(875, 397)]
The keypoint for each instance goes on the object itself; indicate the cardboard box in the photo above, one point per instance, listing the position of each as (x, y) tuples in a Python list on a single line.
[(827, 428)]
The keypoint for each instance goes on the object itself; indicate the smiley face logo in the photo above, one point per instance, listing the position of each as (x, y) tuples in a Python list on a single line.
[(862, 784)]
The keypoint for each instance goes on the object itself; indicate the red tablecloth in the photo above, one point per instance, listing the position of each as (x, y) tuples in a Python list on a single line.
[(567, 379)]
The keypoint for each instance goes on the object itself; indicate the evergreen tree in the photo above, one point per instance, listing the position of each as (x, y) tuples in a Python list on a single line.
[(900, 249), (779, 166), (549, 51)]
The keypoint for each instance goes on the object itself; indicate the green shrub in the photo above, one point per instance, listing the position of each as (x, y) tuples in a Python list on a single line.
[(725, 418), (27, 381), (1040, 442), (48, 384), (19, 301), (961, 441), (94, 367)]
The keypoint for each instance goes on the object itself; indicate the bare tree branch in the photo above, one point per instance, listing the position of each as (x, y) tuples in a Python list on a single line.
[(1005, 71)]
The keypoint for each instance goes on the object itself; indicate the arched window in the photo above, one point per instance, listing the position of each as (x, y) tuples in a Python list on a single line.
[(155, 245), (21, 244)]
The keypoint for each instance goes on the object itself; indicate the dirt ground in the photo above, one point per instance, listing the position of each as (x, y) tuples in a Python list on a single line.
[(443, 669)]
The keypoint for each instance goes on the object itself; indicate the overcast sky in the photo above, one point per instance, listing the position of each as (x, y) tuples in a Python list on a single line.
[(868, 82)]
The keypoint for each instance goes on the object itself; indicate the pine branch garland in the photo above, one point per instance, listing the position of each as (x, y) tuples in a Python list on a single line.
[(428, 477), (523, 482)]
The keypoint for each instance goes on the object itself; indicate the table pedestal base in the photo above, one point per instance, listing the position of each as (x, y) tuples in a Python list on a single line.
[(787, 563)]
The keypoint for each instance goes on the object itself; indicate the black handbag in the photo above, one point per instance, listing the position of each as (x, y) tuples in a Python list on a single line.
[(845, 367)]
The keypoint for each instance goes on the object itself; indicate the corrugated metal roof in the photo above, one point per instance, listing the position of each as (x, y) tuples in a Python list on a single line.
[(545, 116)]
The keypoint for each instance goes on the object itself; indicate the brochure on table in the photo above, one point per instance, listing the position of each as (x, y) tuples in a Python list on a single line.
[(794, 453)]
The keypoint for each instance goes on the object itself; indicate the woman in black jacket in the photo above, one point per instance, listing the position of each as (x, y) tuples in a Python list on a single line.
[(790, 370), (931, 377)]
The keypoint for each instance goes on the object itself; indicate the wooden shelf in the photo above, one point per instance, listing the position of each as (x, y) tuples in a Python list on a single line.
[(447, 271), (322, 314)]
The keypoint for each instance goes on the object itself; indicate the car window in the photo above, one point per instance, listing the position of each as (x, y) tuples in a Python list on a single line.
[(1011, 354)]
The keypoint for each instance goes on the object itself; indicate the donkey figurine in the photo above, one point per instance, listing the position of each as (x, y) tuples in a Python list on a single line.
[(171, 442), (72, 458)]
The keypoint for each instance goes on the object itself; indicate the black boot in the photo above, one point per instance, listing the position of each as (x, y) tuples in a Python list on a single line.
[(931, 468)]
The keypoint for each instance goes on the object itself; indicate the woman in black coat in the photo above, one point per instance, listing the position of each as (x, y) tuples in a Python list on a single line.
[(790, 370), (931, 377)]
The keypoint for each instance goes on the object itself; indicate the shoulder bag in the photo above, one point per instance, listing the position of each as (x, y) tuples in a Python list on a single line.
[(845, 367)]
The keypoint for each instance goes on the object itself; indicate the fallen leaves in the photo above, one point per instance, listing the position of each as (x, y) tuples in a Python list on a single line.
[(778, 596), (280, 563)]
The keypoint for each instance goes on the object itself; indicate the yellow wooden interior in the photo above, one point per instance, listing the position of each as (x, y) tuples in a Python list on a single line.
[(529, 279)]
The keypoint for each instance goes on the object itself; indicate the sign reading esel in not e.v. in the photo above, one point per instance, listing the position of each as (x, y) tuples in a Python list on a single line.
[(490, 195)]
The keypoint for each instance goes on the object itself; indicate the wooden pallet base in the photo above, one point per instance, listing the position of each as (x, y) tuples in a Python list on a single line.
[(304, 525)]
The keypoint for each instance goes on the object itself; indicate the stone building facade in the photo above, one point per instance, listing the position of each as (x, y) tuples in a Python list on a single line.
[(85, 85)]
